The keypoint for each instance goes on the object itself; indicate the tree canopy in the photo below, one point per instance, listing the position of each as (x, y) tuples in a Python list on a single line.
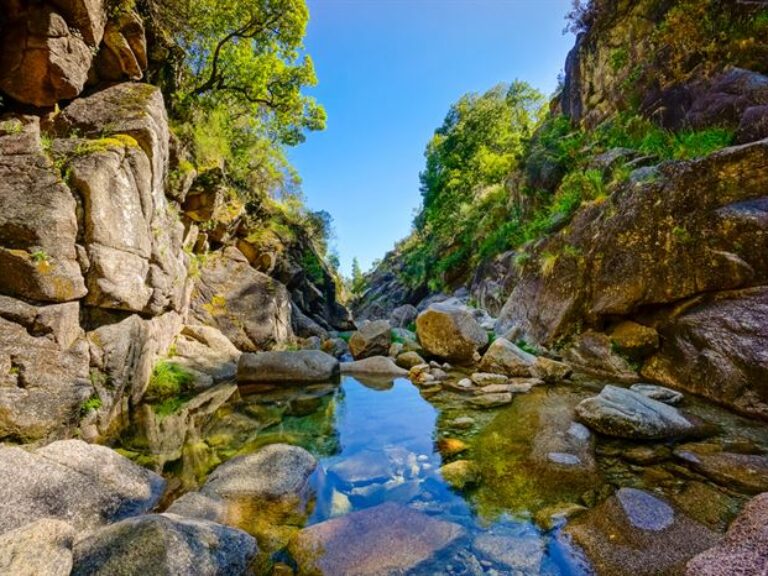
[(468, 161), (237, 92)]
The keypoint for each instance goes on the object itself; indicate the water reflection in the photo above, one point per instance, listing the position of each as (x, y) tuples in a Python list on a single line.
[(382, 497)]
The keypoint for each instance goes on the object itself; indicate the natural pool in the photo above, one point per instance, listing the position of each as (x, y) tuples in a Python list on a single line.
[(381, 441)]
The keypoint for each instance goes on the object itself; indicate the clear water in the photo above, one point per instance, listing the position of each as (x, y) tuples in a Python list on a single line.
[(393, 433), (379, 441)]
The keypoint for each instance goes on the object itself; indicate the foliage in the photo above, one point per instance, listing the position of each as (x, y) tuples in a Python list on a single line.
[(357, 283), (168, 406), (638, 133), (463, 185), (313, 268), (39, 256), (168, 380), (700, 36), (92, 404)]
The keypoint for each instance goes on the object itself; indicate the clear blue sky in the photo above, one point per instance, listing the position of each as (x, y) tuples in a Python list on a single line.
[(388, 72)]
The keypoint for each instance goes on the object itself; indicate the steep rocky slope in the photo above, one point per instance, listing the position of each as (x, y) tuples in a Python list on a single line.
[(103, 258), (660, 273)]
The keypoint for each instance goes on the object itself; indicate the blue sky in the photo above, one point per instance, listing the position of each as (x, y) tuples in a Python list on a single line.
[(388, 72)]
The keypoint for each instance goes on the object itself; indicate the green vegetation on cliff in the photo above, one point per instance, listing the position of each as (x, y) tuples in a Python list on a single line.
[(234, 75), (503, 171)]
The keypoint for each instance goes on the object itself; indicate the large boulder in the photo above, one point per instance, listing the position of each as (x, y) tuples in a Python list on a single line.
[(132, 236), (133, 109), (635, 533), (123, 355), (164, 545), (250, 308), (386, 539), (83, 484), (744, 550), (723, 100), (277, 471), (38, 222), (403, 316), (693, 228), (623, 413), (42, 548), (374, 366), (450, 332), (44, 369), (372, 339), (300, 367), (594, 353), (124, 52), (44, 57), (205, 349), (504, 357), (717, 346)]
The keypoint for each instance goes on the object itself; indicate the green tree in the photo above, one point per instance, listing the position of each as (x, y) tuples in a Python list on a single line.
[(246, 55), (463, 184), (357, 286)]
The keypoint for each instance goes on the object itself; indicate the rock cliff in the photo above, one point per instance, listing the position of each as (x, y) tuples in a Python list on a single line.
[(662, 273), (103, 259)]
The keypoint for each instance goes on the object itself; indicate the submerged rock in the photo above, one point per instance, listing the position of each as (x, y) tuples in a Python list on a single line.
[(744, 550), (522, 554), (372, 339), (660, 393), (451, 333), (504, 357), (746, 472), (43, 548), (549, 370), (287, 367), (623, 413), (274, 472), (460, 473), (386, 539), (408, 360), (634, 533), (492, 400), (375, 366), (83, 484), (164, 545)]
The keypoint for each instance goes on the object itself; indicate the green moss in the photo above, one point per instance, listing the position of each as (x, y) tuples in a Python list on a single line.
[(39, 256), (547, 263), (92, 404), (12, 126), (168, 406), (87, 147), (682, 235), (313, 268), (169, 380)]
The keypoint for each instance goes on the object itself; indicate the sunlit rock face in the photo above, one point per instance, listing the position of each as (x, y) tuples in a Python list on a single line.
[(679, 252)]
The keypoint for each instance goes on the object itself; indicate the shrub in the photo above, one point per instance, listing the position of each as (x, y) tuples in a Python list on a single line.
[(92, 404), (168, 380)]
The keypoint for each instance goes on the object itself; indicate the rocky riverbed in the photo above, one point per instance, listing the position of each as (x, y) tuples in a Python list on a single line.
[(443, 450)]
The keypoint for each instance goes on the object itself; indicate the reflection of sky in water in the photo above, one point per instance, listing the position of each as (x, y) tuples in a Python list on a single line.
[(388, 454)]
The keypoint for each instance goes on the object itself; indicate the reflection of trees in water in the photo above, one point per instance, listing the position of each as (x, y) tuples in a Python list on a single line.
[(189, 444)]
